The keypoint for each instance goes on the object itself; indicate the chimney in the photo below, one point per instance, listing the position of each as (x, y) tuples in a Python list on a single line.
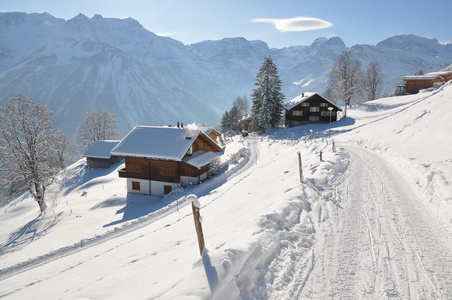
[(188, 133), (181, 125), (302, 95)]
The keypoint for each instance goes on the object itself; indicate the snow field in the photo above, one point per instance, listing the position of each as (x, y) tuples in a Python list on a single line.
[(372, 220)]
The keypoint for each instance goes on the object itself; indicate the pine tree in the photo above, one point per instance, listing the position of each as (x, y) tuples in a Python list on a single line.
[(267, 98), (225, 122)]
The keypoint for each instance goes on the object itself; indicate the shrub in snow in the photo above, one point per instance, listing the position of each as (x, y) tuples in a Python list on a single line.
[(215, 167)]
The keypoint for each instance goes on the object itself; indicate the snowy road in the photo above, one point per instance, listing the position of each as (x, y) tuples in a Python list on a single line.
[(375, 239)]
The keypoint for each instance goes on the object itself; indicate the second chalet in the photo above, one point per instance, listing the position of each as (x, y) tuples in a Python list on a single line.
[(310, 108), (160, 159)]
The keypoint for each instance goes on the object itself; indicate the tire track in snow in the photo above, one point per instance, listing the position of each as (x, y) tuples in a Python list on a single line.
[(382, 244)]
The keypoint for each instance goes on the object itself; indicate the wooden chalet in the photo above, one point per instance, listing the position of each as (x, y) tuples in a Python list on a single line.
[(413, 84), (160, 159), (310, 108), (98, 155)]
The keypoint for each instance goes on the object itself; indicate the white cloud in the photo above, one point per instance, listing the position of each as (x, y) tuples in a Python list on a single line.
[(295, 24)]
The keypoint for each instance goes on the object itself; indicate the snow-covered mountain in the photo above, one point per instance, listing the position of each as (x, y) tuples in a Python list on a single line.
[(105, 63)]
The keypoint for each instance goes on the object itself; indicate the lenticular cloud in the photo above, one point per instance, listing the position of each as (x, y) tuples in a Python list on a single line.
[(296, 24)]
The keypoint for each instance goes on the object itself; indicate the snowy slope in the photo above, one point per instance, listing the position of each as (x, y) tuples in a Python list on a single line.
[(373, 219), (144, 79)]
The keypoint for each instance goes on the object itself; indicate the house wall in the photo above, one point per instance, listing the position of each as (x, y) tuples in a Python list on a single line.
[(144, 186), (413, 86), (149, 187), (313, 110), (93, 163)]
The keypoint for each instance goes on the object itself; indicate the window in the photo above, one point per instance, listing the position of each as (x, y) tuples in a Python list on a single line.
[(167, 189), (313, 118), (136, 186), (314, 109), (323, 104), (327, 113), (167, 171), (134, 168), (305, 104), (297, 113)]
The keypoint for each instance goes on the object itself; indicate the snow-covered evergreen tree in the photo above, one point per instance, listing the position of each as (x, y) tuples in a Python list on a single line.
[(225, 125), (28, 147), (267, 97)]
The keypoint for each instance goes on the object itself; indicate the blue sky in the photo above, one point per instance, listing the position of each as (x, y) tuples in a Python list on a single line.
[(279, 23)]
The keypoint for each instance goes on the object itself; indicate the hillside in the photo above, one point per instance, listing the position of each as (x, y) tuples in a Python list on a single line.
[(104, 63), (372, 219)]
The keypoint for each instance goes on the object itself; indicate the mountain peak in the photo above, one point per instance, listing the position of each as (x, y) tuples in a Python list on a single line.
[(333, 41), (409, 42)]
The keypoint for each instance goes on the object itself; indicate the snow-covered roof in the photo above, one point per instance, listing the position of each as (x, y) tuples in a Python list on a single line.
[(200, 158), (440, 73), (429, 76), (302, 98), (101, 149), (165, 143), (207, 130)]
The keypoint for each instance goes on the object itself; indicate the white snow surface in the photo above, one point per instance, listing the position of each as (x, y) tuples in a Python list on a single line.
[(371, 220)]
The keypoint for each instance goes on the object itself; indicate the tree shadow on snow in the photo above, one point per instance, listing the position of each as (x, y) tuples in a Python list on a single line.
[(25, 235), (138, 206)]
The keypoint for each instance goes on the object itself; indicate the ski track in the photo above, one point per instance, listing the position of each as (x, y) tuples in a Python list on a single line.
[(249, 159), (379, 241)]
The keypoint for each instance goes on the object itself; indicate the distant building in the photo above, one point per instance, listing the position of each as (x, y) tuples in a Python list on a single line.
[(310, 108), (414, 83), (160, 159), (98, 155)]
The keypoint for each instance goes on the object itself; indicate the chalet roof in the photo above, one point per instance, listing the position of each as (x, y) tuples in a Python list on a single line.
[(157, 142), (167, 143), (208, 130), (304, 97), (429, 76), (101, 149), (440, 73), (200, 158)]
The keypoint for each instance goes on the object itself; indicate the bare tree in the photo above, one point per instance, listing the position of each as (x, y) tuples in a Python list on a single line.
[(27, 143), (242, 104), (98, 125), (344, 78), (371, 81), (65, 150)]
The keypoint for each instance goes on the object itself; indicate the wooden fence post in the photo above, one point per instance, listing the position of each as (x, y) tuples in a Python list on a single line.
[(334, 147), (320, 155), (195, 206), (300, 167)]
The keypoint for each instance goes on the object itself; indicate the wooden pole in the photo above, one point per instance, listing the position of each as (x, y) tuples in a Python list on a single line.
[(198, 227), (300, 167), (320, 155)]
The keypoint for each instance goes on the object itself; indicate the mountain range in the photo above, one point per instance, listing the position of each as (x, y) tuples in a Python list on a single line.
[(86, 63)]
